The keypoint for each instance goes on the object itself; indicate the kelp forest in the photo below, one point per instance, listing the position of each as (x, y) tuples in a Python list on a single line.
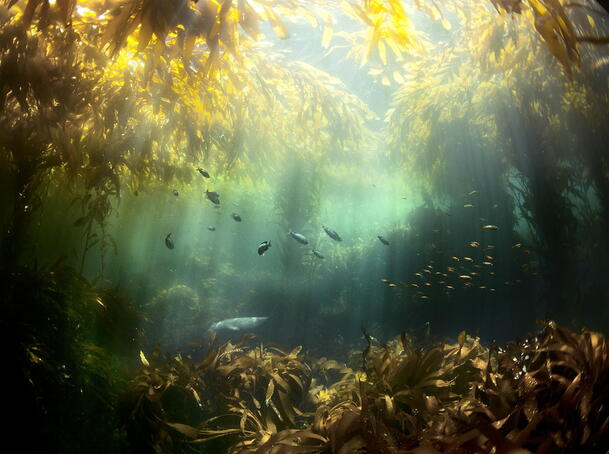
[(305, 226)]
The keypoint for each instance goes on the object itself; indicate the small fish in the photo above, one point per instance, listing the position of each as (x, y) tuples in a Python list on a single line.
[(474, 244), (468, 259), (411, 285), (299, 237), (169, 241), (332, 234), (393, 285), (238, 323), (318, 254), (236, 217), (211, 228), (490, 227), (465, 276), (383, 240), (263, 247), (472, 192), (213, 196), (175, 192), (385, 281), (468, 205), (205, 173)]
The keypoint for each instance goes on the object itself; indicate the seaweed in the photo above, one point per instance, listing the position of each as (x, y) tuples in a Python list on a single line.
[(541, 394)]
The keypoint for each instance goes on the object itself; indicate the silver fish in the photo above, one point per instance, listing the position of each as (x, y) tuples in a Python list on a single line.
[(236, 217), (318, 254), (169, 241), (383, 240), (211, 228), (264, 246), (238, 324), (332, 234), (299, 237)]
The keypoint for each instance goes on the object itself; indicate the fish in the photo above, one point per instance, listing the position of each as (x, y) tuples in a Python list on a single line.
[(474, 244), (299, 237), (175, 192), (490, 227), (468, 205), (236, 217), (318, 254), (213, 196), (211, 228), (332, 234), (472, 192), (205, 173), (238, 323), (383, 240), (263, 247), (169, 241)]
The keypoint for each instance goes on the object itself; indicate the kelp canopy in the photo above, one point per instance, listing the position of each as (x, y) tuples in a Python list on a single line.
[(490, 115)]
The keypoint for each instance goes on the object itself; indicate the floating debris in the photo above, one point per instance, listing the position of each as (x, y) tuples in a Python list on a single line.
[(169, 241)]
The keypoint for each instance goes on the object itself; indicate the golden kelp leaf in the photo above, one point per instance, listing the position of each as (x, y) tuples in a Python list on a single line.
[(382, 52), (356, 11), (143, 359), (327, 36), (184, 429), (248, 19), (189, 45), (144, 35), (277, 24), (397, 76), (461, 338), (269, 391)]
